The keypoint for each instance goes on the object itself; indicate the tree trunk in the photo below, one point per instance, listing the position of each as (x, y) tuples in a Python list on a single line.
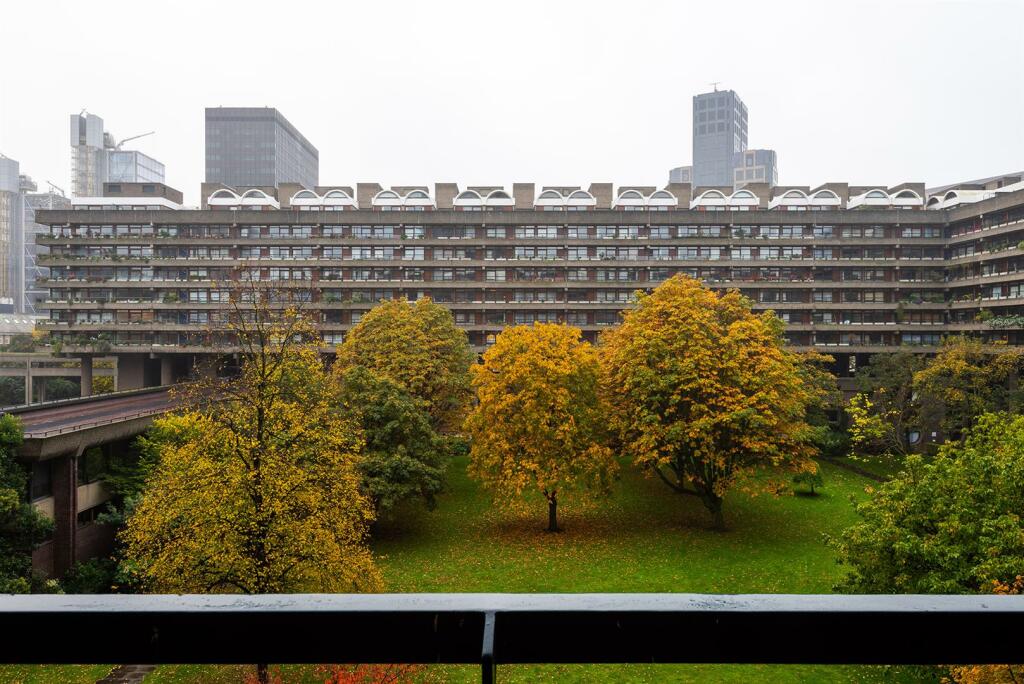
[(713, 503), (553, 512), (263, 673)]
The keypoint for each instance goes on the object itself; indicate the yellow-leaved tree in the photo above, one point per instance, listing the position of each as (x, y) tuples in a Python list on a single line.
[(255, 487), (419, 347), (539, 425), (704, 390)]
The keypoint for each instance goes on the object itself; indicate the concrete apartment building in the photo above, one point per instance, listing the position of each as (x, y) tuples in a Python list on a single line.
[(257, 147), (852, 270)]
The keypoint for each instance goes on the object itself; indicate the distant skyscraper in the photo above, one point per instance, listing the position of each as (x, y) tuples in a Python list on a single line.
[(755, 166), (34, 294), (719, 132), (12, 215), (257, 146), (88, 155), (132, 166), (18, 269), (681, 174), (96, 158)]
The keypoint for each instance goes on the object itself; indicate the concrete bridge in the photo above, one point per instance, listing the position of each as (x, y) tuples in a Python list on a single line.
[(32, 365), (57, 435)]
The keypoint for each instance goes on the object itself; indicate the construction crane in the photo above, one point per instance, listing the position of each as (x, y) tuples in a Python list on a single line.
[(56, 188), (134, 137)]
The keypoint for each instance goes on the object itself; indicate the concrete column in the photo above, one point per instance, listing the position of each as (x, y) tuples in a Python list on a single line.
[(86, 376), (28, 383), (166, 370), (65, 512), (42, 390), (131, 371)]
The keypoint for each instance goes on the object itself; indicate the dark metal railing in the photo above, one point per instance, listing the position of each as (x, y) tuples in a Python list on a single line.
[(496, 629)]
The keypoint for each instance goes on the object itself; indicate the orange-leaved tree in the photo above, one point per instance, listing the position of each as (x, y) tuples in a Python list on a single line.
[(539, 425), (419, 347), (704, 390)]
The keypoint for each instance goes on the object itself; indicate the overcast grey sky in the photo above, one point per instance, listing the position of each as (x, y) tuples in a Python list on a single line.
[(550, 92)]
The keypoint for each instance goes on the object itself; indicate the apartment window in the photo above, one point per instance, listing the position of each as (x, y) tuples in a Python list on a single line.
[(412, 254), (661, 232), (496, 233), (577, 232), (820, 296), (576, 274), (413, 232), (536, 232)]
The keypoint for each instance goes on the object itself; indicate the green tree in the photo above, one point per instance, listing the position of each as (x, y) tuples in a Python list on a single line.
[(704, 391), (952, 526), (890, 408), (419, 347), (967, 379), (22, 528), (12, 391), (21, 343), (539, 425), (404, 457), (61, 388)]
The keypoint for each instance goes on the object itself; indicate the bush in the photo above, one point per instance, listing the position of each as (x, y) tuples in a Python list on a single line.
[(952, 526), (94, 576), (811, 480)]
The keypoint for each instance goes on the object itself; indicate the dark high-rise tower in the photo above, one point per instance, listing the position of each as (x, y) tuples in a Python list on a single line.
[(257, 146)]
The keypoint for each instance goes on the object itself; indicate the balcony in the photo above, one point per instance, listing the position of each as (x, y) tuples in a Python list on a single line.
[(498, 629)]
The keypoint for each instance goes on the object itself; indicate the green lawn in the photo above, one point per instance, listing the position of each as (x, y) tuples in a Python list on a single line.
[(642, 539)]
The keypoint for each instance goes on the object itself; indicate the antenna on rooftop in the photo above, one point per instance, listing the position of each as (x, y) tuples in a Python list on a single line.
[(715, 84)]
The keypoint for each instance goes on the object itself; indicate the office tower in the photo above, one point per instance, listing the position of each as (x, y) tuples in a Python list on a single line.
[(35, 294), (12, 217), (755, 166), (681, 174), (719, 132), (97, 158), (257, 147)]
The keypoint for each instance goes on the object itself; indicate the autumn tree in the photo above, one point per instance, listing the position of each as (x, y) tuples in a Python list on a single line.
[(404, 458), (887, 409), (951, 526), (22, 528), (967, 378), (256, 488), (539, 425), (419, 347), (704, 391)]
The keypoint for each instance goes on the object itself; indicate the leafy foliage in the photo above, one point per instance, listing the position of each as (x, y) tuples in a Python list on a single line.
[(12, 391), (967, 379), (256, 488), (539, 425), (704, 390), (21, 527), (418, 347), (810, 480), (951, 526), (887, 406), (403, 458)]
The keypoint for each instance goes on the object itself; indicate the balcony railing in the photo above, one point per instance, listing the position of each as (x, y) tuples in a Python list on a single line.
[(497, 629)]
